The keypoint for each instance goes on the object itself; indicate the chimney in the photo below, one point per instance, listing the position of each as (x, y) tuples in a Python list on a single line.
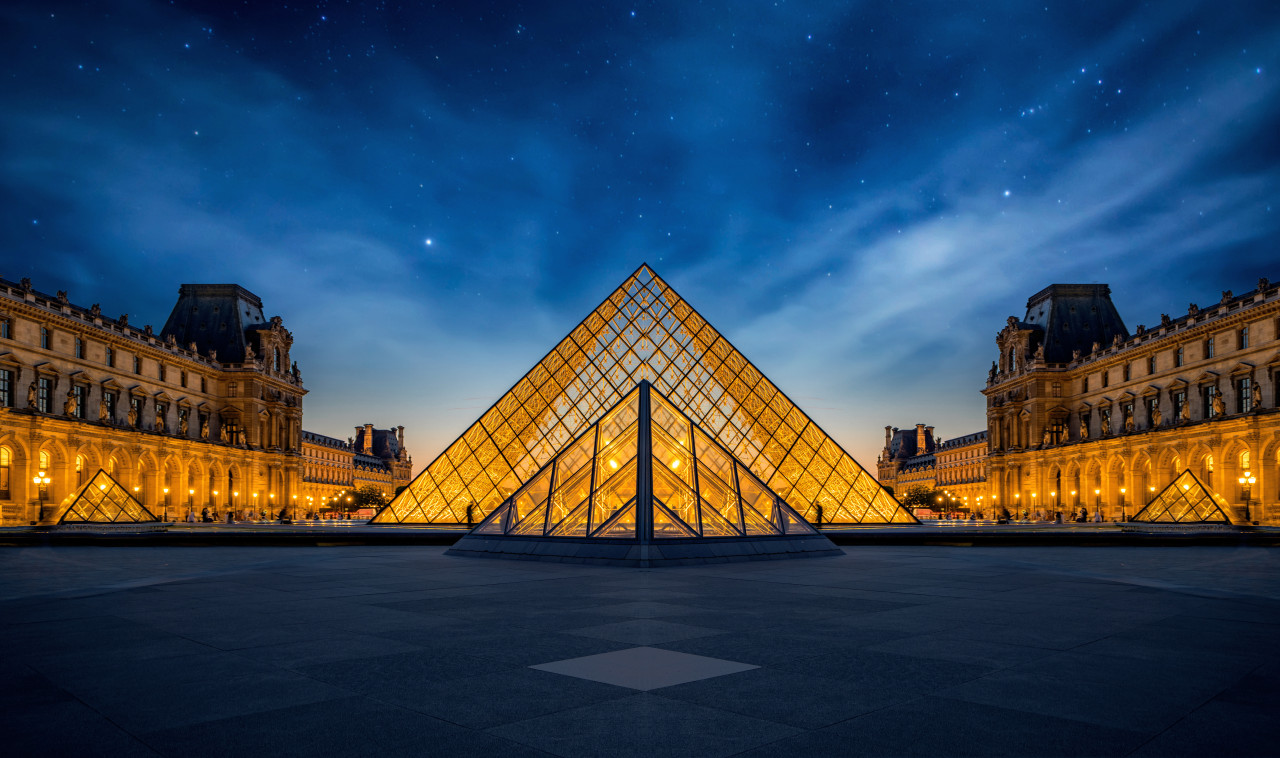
[(888, 436), (928, 430), (400, 436), (920, 439)]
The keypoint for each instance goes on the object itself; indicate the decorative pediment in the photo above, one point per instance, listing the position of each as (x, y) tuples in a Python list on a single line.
[(1208, 377), (1178, 384), (1059, 411), (138, 390), (46, 368), (1241, 368), (163, 397), (9, 359), (1025, 412), (1275, 360), (110, 384), (183, 401), (1151, 391)]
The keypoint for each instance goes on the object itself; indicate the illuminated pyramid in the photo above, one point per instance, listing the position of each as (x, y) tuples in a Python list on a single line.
[(644, 331), (644, 486), (101, 500), (1185, 500)]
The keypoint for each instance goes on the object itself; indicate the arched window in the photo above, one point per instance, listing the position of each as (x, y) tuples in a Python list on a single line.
[(1244, 461), (44, 468), (4, 473), (80, 470), (277, 359), (1208, 470)]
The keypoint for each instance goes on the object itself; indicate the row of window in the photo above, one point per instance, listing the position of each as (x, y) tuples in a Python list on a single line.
[(109, 356), (1179, 360)]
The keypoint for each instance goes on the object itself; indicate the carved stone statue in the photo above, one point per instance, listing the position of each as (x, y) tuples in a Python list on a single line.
[(991, 375), (1084, 428), (1165, 320), (1185, 413), (224, 433), (1193, 309), (1264, 283), (104, 414), (1096, 347), (204, 429), (1256, 396), (160, 422), (1155, 416), (1219, 407), (249, 355), (31, 395), (1106, 424), (182, 424), (1044, 442), (133, 415), (95, 310), (1075, 355), (124, 319), (1226, 295), (1128, 422), (1040, 352), (69, 405)]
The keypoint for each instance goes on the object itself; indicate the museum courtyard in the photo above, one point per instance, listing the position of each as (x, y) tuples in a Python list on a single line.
[(406, 651)]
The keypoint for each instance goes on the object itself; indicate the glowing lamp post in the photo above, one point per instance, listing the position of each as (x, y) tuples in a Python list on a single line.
[(41, 480), (1123, 517), (1247, 482), (1097, 504)]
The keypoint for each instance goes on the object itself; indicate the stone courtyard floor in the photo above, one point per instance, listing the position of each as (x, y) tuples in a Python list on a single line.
[(405, 651)]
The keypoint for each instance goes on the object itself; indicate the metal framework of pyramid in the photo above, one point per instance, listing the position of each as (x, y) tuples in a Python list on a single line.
[(1185, 500), (644, 486), (101, 500), (644, 331)]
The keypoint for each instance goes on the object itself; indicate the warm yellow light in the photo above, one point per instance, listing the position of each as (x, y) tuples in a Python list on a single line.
[(215, 493), (1053, 494), (613, 463), (1073, 492), (236, 493), (675, 464), (1122, 490), (1097, 492), (166, 490), (1186, 486), (191, 492), (102, 487)]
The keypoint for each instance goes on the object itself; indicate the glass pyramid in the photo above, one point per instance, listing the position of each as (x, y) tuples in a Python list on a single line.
[(644, 331), (1184, 500), (101, 501), (644, 471)]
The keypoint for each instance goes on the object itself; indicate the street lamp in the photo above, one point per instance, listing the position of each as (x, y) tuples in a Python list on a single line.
[(1122, 514), (1034, 509), (1097, 504), (41, 481), (1247, 481)]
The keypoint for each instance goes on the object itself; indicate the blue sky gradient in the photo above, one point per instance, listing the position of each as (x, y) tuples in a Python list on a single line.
[(856, 194)]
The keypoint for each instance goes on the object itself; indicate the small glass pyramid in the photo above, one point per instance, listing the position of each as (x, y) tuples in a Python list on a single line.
[(644, 331), (101, 500), (1185, 500), (645, 470)]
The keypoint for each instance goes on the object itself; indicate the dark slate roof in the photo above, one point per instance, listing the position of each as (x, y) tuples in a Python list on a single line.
[(966, 439), (215, 317), (386, 444), (903, 443), (1072, 317)]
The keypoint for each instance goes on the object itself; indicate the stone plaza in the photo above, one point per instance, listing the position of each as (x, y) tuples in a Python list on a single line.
[(406, 651)]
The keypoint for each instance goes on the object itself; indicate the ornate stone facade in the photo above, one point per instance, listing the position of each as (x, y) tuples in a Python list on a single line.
[(957, 467), (334, 468), (207, 412), (1083, 414)]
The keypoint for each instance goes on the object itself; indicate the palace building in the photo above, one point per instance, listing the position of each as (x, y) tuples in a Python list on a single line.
[(1084, 414), (333, 469), (204, 413), (955, 468)]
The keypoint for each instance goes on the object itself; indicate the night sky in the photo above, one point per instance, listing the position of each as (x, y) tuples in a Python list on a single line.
[(855, 194)]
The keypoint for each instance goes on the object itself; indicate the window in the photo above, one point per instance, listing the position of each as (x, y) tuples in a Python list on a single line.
[(78, 394), (182, 419), (1210, 392), (44, 466), (202, 387), (1152, 404), (1106, 378), (4, 473), (1086, 384), (1244, 337), (1106, 421), (1126, 371), (79, 348), (276, 362), (160, 371), (44, 394), (6, 388), (6, 328), (109, 399), (1244, 461), (46, 338), (1126, 414), (1151, 364), (162, 413), (1208, 470), (184, 378), (1244, 395), (111, 357), (232, 390), (137, 365), (1208, 348), (135, 404), (1056, 389), (1179, 358), (80, 470)]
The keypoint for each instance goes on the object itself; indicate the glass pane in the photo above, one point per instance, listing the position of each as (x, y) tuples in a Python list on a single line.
[(674, 457), (532, 495), (678, 496), (494, 523), (534, 522), (619, 419), (666, 418), (715, 525), (667, 526), (792, 523), (757, 523), (712, 458), (616, 455), (613, 495), (621, 526), (574, 524)]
